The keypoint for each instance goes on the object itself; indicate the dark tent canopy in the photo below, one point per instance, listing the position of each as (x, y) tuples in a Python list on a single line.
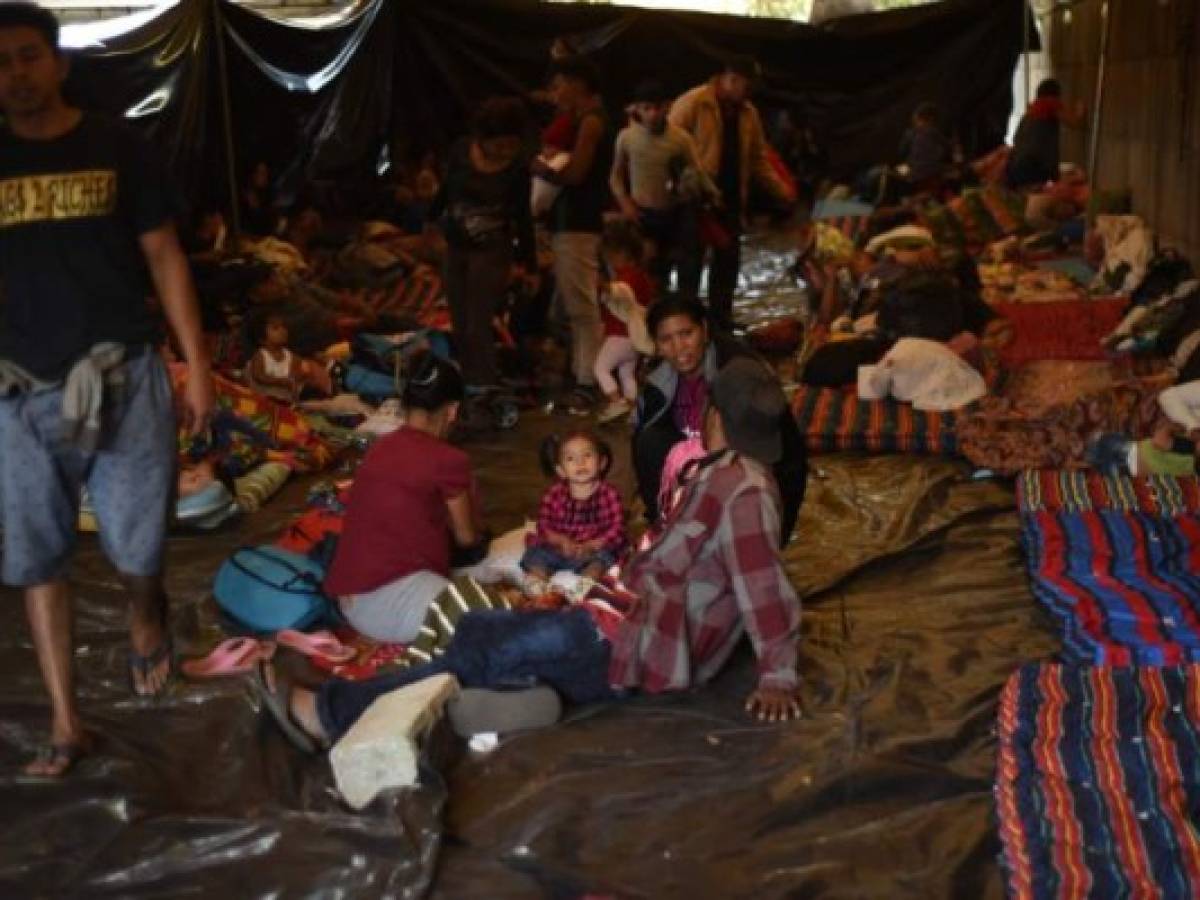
[(402, 74)]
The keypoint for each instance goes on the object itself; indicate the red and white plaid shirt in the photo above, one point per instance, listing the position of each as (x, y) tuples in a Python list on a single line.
[(712, 574), (599, 517)]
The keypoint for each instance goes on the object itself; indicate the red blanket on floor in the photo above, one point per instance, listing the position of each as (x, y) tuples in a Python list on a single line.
[(1067, 330)]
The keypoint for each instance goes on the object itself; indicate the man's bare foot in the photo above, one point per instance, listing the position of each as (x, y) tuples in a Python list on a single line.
[(303, 708), (293, 709), (68, 744)]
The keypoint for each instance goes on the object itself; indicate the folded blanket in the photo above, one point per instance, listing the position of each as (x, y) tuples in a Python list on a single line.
[(832, 420), (1059, 330), (1051, 490), (1002, 436), (257, 487), (1098, 780), (248, 427)]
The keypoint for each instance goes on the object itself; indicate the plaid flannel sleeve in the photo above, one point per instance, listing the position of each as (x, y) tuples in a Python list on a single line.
[(769, 606), (550, 513), (610, 525)]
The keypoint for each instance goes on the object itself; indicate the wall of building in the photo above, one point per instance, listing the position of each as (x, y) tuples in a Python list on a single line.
[(1150, 136)]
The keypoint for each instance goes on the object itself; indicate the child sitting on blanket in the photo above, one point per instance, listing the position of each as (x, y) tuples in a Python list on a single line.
[(581, 522), (624, 321), (279, 373), (1171, 451)]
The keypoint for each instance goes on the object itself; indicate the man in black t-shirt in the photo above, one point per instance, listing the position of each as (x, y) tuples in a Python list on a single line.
[(86, 240)]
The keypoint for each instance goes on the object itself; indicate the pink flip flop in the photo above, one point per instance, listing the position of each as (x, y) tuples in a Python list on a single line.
[(320, 643), (236, 656)]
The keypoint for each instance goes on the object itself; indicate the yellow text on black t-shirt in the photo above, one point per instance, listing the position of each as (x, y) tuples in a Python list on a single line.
[(57, 197)]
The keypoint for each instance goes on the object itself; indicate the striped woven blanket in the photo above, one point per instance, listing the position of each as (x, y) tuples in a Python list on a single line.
[(1116, 561), (1098, 780), (832, 420), (1054, 490)]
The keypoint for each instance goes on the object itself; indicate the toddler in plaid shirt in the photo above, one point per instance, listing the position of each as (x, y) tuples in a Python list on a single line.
[(581, 524)]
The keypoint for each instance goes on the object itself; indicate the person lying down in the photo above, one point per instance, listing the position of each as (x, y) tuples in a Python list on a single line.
[(711, 575)]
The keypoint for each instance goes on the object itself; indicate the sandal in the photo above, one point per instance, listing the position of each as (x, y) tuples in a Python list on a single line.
[(320, 643), (61, 757), (275, 692), (140, 665), (236, 656)]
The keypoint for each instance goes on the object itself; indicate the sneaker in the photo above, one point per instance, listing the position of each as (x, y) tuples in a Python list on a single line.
[(615, 409), (482, 711)]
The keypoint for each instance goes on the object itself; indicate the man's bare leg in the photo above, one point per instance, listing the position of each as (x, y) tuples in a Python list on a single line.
[(48, 607), (148, 635)]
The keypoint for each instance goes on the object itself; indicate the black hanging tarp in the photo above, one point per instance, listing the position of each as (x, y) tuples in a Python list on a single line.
[(326, 102)]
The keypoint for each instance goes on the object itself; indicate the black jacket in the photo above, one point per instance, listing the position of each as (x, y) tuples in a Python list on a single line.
[(655, 433)]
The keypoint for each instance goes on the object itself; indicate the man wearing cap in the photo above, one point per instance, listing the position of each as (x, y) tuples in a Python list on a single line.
[(649, 163), (712, 575), (732, 149)]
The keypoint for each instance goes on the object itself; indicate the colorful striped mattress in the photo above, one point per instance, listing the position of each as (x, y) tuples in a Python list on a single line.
[(1055, 490), (1098, 781), (1116, 561), (834, 420)]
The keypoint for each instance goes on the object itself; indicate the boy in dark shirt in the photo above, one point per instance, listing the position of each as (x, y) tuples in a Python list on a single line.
[(86, 238)]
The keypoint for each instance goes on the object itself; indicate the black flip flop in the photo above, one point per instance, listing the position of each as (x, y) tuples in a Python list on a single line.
[(278, 703), (144, 665)]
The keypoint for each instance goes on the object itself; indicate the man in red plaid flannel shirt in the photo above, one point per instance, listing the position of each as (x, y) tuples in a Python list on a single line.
[(714, 572), (713, 575)]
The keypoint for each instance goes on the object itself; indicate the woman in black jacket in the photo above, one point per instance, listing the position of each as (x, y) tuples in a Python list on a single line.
[(671, 405)]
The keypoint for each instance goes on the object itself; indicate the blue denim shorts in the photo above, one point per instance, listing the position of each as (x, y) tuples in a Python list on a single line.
[(131, 478), (540, 556)]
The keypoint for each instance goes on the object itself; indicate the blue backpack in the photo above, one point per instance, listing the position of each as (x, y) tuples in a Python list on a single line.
[(267, 589)]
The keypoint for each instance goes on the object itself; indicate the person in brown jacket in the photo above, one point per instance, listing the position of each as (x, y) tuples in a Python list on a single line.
[(731, 148)]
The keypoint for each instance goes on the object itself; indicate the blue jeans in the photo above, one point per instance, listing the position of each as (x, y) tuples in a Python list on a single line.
[(1108, 453), (540, 556), (493, 649)]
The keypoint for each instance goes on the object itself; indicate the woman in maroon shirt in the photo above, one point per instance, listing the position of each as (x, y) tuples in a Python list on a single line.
[(413, 499)]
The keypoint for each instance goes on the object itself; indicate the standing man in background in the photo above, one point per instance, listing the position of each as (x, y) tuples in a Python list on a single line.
[(731, 147), (650, 159)]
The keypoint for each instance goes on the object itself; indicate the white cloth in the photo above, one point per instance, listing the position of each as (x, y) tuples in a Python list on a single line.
[(503, 562), (1181, 404), (276, 368), (543, 193), (1128, 241), (902, 236), (927, 374)]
